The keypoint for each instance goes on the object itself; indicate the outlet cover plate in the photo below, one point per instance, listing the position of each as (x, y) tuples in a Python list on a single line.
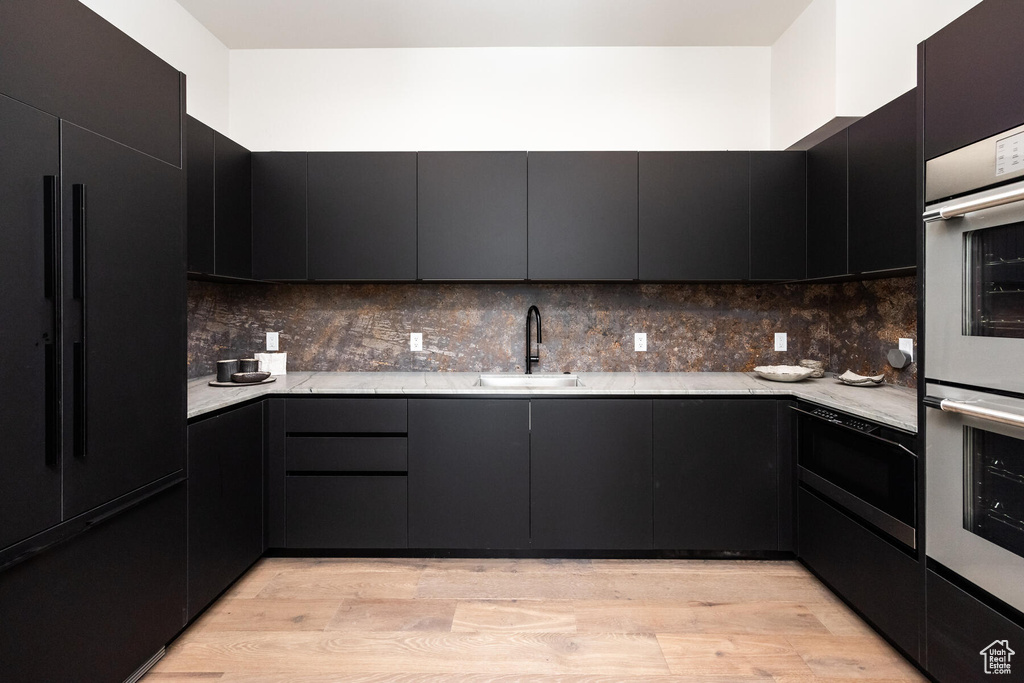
[(780, 341), (415, 341), (640, 341), (272, 341)]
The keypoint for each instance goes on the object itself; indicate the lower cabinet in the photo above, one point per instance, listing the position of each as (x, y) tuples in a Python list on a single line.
[(469, 473), (97, 606), (225, 501), (590, 474), (961, 630), (716, 475), (882, 582), (346, 511)]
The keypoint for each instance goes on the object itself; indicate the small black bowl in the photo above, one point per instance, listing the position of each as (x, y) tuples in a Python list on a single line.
[(249, 377)]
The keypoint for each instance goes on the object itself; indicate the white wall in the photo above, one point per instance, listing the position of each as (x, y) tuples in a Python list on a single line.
[(501, 98), (170, 32)]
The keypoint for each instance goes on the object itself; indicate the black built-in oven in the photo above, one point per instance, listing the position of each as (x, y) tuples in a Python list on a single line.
[(865, 468)]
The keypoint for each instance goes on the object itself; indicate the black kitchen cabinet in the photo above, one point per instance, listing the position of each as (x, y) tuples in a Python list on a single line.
[(973, 60), (716, 486), (219, 204), (62, 58), (124, 319), (30, 481), (233, 210), (99, 605), (362, 215), (469, 473), (582, 215), (694, 215), (778, 215), (472, 215), (827, 203), (201, 165), (959, 628), (883, 216), (879, 580), (590, 474), (347, 511), (279, 215), (225, 501)]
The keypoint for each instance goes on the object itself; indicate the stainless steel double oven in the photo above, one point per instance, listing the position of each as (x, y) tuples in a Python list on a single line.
[(974, 331)]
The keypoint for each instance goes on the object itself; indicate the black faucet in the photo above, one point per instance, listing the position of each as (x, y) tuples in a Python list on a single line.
[(530, 359)]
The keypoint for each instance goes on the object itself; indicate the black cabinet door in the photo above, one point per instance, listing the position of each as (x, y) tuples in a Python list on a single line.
[(347, 511), (590, 474), (225, 501), (362, 215), (716, 475), (778, 215), (201, 197), (124, 319), (582, 215), (967, 66), (883, 187), (29, 220), (469, 474), (694, 215), (472, 215), (61, 57), (98, 606), (827, 207), (279, 215), (233, 209)]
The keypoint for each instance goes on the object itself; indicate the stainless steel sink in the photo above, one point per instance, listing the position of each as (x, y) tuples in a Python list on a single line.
[(530, 381)]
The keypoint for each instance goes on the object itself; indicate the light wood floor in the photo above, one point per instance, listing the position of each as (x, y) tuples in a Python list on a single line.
[(556, 621)]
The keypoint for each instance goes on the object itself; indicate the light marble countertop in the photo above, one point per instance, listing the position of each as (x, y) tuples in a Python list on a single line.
[(890, 405)]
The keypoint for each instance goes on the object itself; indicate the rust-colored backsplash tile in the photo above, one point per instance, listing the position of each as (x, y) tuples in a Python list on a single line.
[(587, 328)]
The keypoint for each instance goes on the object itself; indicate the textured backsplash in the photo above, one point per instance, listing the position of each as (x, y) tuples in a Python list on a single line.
[(587, 328)]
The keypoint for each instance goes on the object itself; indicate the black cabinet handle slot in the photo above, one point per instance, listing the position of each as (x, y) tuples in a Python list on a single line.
[(50, 223), (79, 378), (52, 407), (78, 213)]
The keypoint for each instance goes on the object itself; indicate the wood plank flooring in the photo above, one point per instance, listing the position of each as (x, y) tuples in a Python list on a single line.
[(553, 621)]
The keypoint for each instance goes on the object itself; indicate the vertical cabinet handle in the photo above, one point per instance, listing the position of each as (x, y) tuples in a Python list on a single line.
[(78, 213), (79, 219), (79, 381), (50, 224), (52, 407)]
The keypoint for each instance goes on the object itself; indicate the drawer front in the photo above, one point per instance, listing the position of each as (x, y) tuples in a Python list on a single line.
[(347, 415), (347, 454), (346, 512)]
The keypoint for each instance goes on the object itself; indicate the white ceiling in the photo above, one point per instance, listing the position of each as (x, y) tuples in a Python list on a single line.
[(255, 24)]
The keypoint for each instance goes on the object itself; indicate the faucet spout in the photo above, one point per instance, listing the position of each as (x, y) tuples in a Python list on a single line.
[(530, 357)]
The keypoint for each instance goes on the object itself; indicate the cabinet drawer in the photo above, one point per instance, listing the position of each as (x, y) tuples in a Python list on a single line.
[(346, 454), (347, 415), (346, 512)]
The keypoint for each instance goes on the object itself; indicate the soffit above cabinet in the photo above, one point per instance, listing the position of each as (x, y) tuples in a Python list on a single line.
[(307, 24)]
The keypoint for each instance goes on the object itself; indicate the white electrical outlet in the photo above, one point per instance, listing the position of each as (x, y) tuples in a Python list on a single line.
[(780, 341), (415, 341), (271, 341), (640, 341), (907, 347)]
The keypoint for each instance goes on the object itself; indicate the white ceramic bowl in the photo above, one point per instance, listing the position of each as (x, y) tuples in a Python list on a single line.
[(783, 373)]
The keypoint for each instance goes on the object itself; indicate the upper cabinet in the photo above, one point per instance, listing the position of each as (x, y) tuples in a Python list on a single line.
[(883, 185), (694, 215), (59, 56), (826, 207), (472, 215), (362, 215), (279, 215), (778, 215), (219, 203), (582, 216), (974, 59)]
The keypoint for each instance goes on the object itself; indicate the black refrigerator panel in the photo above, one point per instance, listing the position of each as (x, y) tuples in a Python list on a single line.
[(29, 412), (124, 326)]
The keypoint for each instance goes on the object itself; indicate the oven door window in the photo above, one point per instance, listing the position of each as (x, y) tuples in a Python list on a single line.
[(994, 499), (995, 282)]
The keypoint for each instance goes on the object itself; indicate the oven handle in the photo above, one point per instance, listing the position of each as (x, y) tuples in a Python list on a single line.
[(888, 442), (971, 410), (956, 210)]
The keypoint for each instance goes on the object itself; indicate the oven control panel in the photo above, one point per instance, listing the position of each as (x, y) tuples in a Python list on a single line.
[(845, 420)]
